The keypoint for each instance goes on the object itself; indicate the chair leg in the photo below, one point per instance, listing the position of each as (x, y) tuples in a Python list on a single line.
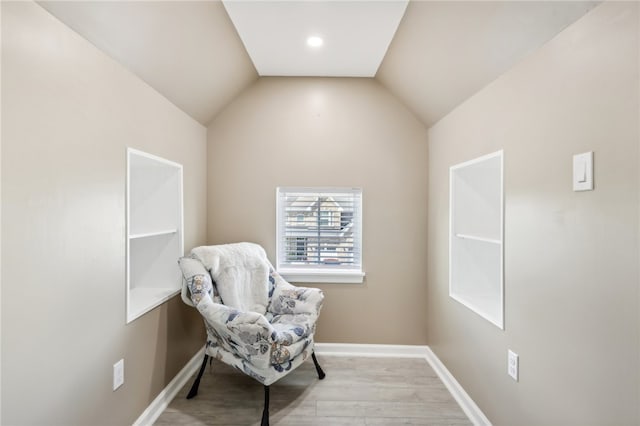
[(318, 368), (265, 411), (194, 388)]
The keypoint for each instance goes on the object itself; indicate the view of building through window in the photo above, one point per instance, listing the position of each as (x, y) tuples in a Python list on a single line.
[(320, 228)]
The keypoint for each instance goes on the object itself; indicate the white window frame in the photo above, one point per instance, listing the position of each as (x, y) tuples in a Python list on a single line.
[(326, 273)]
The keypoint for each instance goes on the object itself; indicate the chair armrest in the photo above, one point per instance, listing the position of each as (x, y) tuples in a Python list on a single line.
[(289, 299), (247, 335), (196, 281)]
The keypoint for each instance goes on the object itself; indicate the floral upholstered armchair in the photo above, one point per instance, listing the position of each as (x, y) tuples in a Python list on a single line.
[(255, 320)]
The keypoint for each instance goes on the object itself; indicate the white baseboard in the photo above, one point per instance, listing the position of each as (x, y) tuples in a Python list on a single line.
[(391, 351), (467, 404), (158, 405), (469, 407)]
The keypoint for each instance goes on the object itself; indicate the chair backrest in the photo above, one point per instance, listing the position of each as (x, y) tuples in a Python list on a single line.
[(241, 274)]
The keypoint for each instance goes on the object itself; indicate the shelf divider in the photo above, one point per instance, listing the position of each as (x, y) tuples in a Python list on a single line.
[(475, 238), (153, 234)]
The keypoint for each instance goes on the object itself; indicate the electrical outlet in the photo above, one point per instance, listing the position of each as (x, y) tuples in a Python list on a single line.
[(118, 374), (512, 365)]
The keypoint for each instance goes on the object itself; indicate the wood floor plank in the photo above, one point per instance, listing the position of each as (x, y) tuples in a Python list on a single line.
[(356, 391), (320, 421), (424, 410), (387, 421)]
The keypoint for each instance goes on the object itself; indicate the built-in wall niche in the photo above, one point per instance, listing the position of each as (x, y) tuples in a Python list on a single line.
[(154, 231), (476, 236)]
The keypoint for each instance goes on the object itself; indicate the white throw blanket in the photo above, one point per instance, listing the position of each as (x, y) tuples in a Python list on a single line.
[(241, 273)]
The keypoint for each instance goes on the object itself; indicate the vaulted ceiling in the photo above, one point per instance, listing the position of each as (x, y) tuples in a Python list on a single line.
[(442, 52), (352, 37)]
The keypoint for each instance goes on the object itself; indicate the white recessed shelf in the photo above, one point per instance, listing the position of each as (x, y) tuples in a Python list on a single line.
[(476, 236), (154, 231)]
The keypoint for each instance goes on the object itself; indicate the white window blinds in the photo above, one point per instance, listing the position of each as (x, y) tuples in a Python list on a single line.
[(319, 230)]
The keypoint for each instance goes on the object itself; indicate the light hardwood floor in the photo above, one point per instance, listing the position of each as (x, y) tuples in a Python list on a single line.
[(356, 391)]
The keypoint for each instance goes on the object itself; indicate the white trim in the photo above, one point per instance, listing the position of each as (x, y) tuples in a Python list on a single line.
[(157, 407), (390, 351), (326, 276), (467, 404)]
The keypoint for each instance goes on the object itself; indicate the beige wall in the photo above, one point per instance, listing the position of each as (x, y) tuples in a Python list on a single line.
[(571, 258), (68, 113), (571, 267), (331, 132)]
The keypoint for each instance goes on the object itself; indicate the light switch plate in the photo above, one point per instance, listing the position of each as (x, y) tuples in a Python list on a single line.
[(512, 364), (583, 172), (118, 374)]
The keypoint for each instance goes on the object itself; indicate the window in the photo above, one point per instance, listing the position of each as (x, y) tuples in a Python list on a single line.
[(319, 234)]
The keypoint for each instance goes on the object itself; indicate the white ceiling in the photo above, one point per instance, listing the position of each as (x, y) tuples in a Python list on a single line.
[(356, 35), (442, 53)]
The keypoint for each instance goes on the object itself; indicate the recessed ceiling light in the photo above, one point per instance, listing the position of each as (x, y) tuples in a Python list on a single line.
[(315, 41)]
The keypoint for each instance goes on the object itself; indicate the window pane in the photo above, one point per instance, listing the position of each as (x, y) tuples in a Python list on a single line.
[(319, 228)]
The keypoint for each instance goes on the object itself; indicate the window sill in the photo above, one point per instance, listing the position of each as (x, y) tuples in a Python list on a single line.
[(315, 276)]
